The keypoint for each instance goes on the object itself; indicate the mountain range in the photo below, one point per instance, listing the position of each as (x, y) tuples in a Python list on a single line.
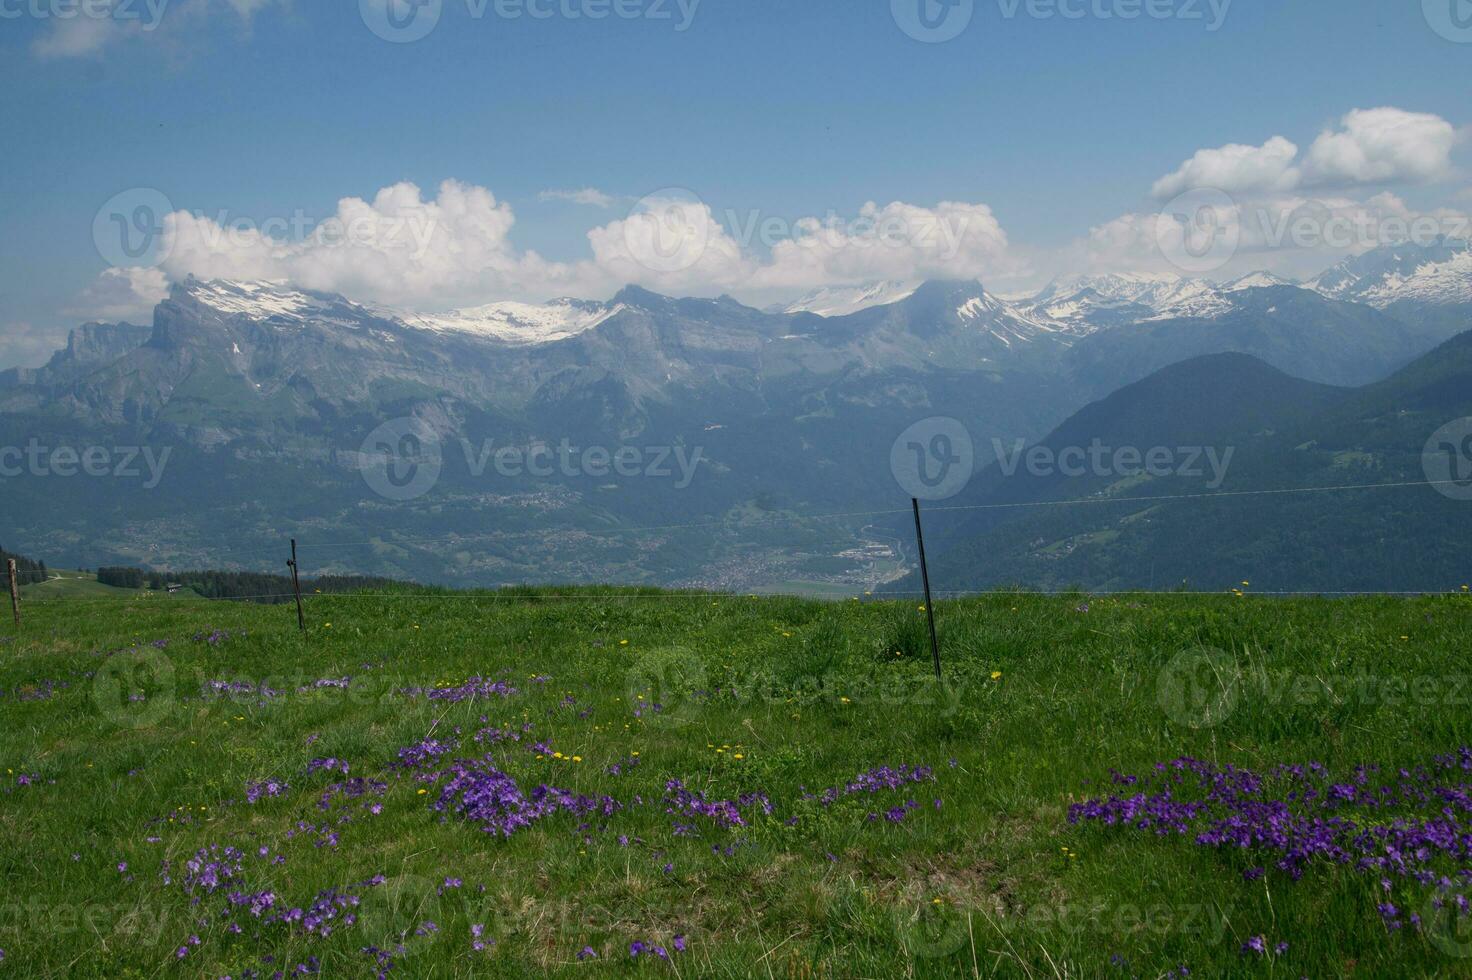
[(267, 397)]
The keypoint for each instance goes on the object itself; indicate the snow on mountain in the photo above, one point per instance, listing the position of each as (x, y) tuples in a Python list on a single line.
[(519, 323), (1089, 303), (843, 300), (274, 301), (1131, 287), (1256, 280), (1438, 274), (1005, 321), (511, 323)]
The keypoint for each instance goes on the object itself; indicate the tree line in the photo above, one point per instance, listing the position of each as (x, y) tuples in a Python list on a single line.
[(27, 572)]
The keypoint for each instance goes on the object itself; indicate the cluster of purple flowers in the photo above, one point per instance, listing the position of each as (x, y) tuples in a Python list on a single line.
[(876, 780), (483, 794), (725, 813), (265, 789), (639, 948), (895, 814), (237, 690), (422, 753), (475, 689), (1414, 824), (335, 683), (328, 765), (1258, 946), (211, 868)]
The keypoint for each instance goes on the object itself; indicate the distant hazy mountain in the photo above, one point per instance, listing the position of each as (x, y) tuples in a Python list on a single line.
[(265, 395)]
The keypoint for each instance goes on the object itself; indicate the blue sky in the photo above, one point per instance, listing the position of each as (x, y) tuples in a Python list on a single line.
[(762, 110)]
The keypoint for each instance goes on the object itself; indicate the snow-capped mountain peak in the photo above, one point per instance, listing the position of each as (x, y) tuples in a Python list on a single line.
[(1256, 280), (1437, 274), (519, 323), (261, 300), (842, 300), (281, 305)]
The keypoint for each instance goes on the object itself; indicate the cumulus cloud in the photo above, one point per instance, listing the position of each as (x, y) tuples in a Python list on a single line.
[(1293, 235), (590, 196), (400, 248), (1276, 209), (1383, 145), (1236, 168), (406, 249), (896, 241), (1371, 146)]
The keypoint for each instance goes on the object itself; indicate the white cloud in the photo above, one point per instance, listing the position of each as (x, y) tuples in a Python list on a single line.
[(122, 294), (455, 249), (1293, 235), (896, 241), (590, 196), (1383, 145), (1235, 168), (400, 249), (1372, 146), (24, 344), (99, 24)]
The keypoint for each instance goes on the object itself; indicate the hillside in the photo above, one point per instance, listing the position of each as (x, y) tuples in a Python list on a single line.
[(1284, 436)]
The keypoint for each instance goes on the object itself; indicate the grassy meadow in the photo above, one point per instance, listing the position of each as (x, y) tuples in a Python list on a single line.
[(604, 782)]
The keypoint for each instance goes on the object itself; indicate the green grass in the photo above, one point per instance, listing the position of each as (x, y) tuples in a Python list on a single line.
[(981, 886), (71, 584)]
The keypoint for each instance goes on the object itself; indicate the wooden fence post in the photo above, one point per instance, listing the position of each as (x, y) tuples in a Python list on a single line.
[(925, 578), (14, 589), (296, 586)]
